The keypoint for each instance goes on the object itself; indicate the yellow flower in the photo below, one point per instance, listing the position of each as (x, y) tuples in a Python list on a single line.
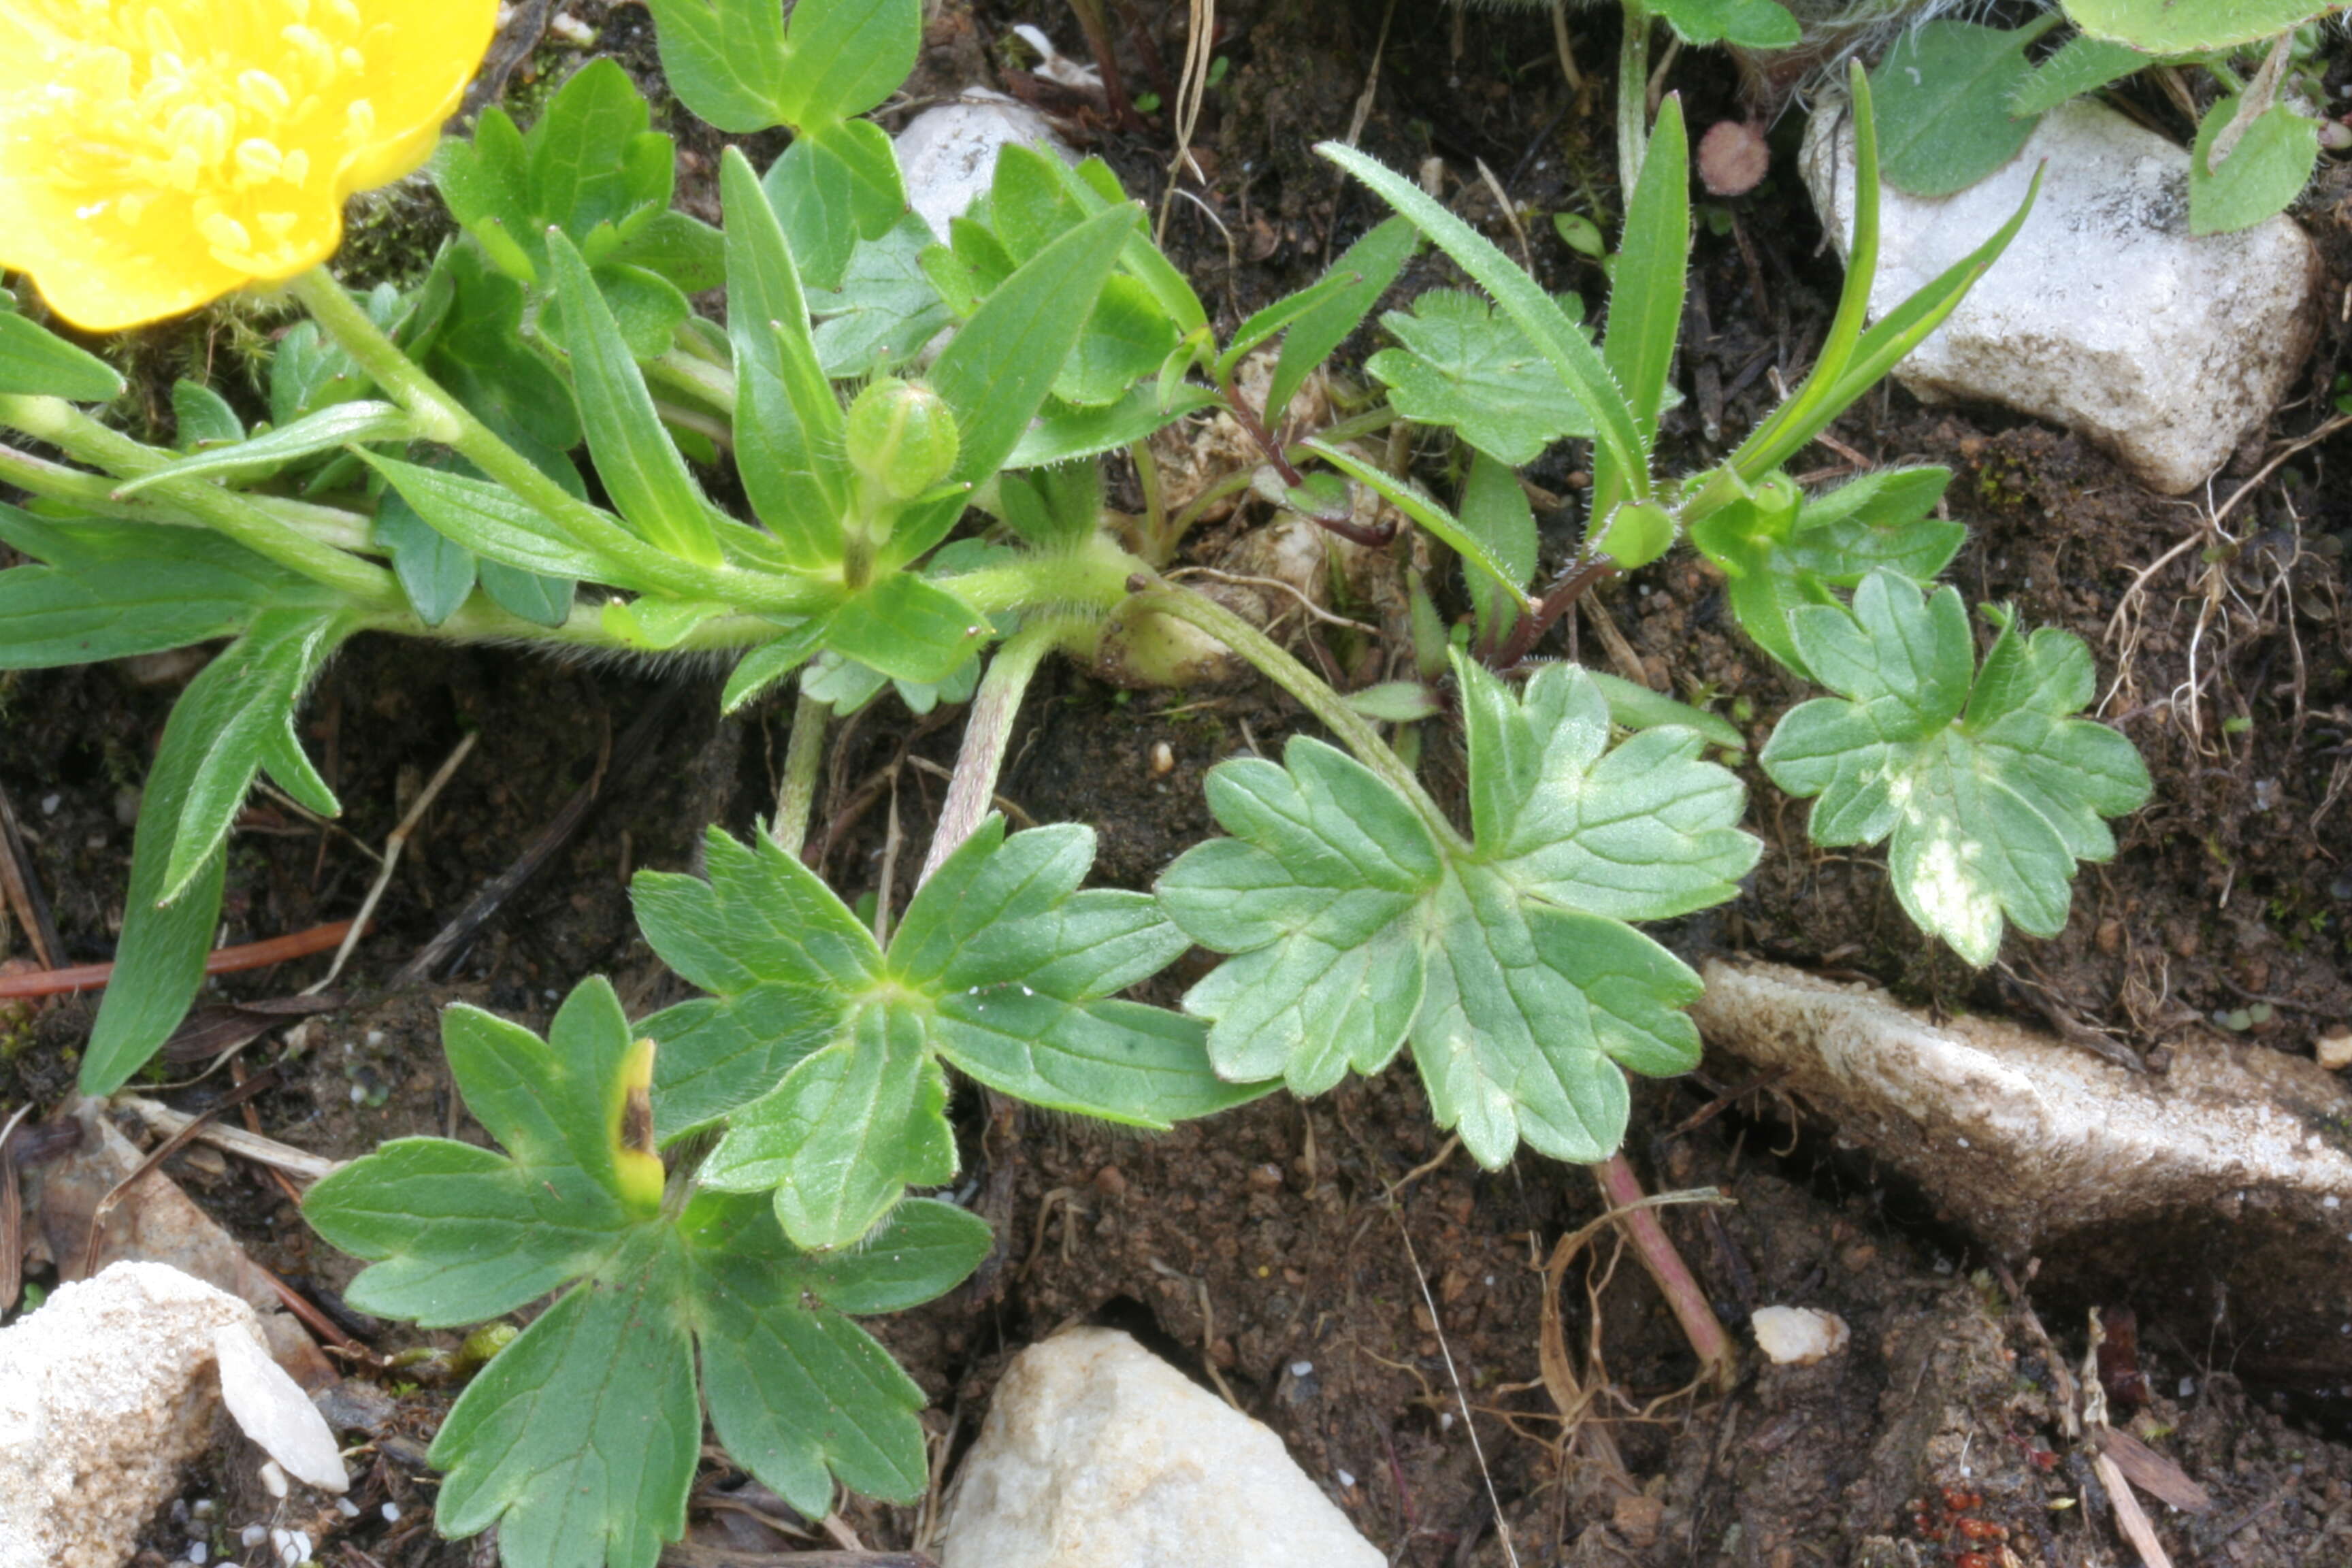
[(157, 156)]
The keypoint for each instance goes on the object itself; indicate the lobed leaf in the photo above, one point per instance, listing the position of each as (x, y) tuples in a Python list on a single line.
[(1987, 787), (580, 1440), (825, 1052), (1461, 366), (1354, 926)]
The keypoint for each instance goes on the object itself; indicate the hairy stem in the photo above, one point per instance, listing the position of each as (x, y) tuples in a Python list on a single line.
[(79, 435), (1622, 1191), (987, 732), (444, 419), (803, 755), (1308, 687)]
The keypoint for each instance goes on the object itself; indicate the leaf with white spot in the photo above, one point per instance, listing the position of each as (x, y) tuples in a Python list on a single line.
[(1989, 790)]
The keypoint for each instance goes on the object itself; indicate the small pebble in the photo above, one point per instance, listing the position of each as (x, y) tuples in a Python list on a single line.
[(1346, 1480), (1163, 757), (392, 1513), (1301, 1368), (253, 1535), (198, 1552), (49, 804), (374, 1038), (273, 1479), (347, 1508)]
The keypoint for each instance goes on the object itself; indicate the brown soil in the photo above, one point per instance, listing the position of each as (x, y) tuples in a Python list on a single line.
[(1328, 1264)]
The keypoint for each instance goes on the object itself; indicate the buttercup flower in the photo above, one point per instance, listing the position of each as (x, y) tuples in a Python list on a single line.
[(155, 156)]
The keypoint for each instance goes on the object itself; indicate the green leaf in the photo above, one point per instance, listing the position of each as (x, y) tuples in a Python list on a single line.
[(480, 357), (886, 309), (1988, 789), (1127, 338), (580, 1440), (824, 1053), (1357, 926), (541, 599), (1583, 373), (343, 424), (2267, 169), (994, 374), (499, 526), (267, 671), (907, 628), (789, 442), (634, 457), (1750, 24), (768, 663), (2083, 64), (108, 589), (1372, 263), (235, 717), (435, 572), (725, 59), (835, 186), (1632, 707), (1495, 512), (37, 363), (845, 57), (1645, 292), (1061, 434), (204, 417), (1409, 500), (1779, 551), (590, 167), (1943, 97), (1462, 365), (2174, 27)]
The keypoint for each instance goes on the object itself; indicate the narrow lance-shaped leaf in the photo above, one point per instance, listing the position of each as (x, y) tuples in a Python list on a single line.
[(340, 424), (1373, 262), (234, 718), (37, 363), (634, 457), (1646, 286)]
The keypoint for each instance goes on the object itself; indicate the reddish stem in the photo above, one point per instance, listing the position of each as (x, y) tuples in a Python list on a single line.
[(220, 960), (1622, 1191)]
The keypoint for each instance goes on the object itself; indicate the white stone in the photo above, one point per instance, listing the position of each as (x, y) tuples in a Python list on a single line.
[(105, 1391), (1798, 1336), (274, 1411), (2334, 1049), (2104, 314), (1097, 1454), (947, 153)]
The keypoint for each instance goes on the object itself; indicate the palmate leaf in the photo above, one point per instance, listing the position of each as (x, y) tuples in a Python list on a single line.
[(1988, 790), (1463, 365), (825, 1052), (1507, 963), (580, 1440)]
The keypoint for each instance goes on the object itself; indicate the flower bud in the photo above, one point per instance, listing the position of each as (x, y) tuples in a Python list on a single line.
[(901, 437)]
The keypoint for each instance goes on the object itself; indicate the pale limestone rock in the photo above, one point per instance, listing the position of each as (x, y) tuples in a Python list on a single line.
[(1097, 1454), (105, 1391), (947, 153), (273, 1411), (2106, 314), (1798, 1336)]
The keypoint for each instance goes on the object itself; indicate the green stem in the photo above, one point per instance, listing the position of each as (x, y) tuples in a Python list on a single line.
[(480, 620), (802, 756), (76, 433), (444, 419), (1089, 580), (37, 476), (987, 732), (1633, 98), (697, 377), (1304, 684)]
